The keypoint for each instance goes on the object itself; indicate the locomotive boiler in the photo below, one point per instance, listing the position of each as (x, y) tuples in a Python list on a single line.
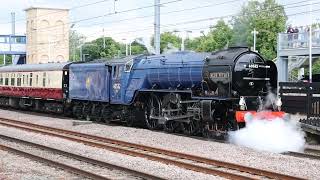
[(194, 93), (207, 92)]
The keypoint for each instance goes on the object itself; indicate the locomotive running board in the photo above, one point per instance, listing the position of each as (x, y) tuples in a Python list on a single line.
[(162, 120), (190, 101)]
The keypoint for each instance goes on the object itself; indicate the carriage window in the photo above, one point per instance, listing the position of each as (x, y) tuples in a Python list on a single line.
[(44, 80), (30, 82), (12, 79), (27, 79), (37, 80), (6, 80), (19, 80), (24, 79), (1, 80)]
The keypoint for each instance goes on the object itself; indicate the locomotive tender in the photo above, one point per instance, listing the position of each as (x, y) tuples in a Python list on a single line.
[(183, 91)]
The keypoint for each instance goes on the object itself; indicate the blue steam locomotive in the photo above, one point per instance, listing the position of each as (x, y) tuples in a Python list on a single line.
[(183, 91)]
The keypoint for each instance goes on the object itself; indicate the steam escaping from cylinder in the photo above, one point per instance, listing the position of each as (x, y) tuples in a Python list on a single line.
[(271, 134)]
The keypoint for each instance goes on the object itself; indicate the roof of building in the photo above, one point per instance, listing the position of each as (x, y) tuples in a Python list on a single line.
[(43, 7)]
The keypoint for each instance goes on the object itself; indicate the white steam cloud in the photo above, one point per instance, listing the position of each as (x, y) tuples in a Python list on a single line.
[(273, 135)]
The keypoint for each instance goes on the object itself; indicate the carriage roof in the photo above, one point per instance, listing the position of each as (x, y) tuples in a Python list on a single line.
[(35, 67)]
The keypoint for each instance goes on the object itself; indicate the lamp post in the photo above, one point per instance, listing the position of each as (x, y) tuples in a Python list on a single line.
[(310, 42), (183, 39), (254, 32), (84, 56), (81, 54), (104, 39), (125, 40), (74, 43)]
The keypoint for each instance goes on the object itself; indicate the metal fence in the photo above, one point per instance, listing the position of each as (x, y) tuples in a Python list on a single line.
[(298, 40), (300, 97)]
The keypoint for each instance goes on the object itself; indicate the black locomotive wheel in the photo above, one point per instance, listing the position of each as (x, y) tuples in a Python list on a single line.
[(171, 126), (190, 128), (152, 112), (205, 131)]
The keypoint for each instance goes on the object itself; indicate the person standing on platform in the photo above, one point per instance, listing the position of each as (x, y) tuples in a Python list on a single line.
[(295, 37), (289, 32)]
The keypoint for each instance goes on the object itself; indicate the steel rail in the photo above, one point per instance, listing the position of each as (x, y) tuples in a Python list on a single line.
[(207, 161), (54, 163), (138, 154), (308, 153), (83, 158), (313, 151), (302, 155)]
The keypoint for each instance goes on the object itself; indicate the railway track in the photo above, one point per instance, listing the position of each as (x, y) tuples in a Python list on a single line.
[(75, 170), (187, 161), (308, 153)]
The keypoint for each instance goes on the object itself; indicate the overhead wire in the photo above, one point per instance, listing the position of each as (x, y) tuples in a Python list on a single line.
[(185, 22), (188, 22), (176, 11), (58, 11)]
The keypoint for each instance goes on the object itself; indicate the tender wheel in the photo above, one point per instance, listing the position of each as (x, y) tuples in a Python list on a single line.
[(106, 114), (190, 128), (152, 110), (77, 111), (130, 118)]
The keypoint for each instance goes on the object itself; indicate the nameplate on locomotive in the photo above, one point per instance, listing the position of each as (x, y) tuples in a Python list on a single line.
[(219, 75)]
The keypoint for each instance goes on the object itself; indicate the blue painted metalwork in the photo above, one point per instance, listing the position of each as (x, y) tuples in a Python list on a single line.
[(118, 82), (166, 72), (89, 82)]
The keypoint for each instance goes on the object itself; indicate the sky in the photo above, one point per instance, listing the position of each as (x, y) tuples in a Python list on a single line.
[(134, 18)]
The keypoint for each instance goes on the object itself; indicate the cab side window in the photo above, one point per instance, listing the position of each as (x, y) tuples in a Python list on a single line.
[(120, 69), (114, 70), (117, 71)]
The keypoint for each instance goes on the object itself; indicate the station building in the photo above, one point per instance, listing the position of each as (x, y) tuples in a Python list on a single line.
[(13, 47), (47, 35)]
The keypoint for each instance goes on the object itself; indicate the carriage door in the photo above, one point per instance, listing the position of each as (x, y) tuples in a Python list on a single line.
[(116, 85)]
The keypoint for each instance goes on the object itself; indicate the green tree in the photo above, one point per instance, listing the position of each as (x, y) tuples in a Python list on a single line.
[(137, 48), (75, 40), (8, 59), (268, 18), (168, 41), (96, 50), (193, 44), (218, 38)]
